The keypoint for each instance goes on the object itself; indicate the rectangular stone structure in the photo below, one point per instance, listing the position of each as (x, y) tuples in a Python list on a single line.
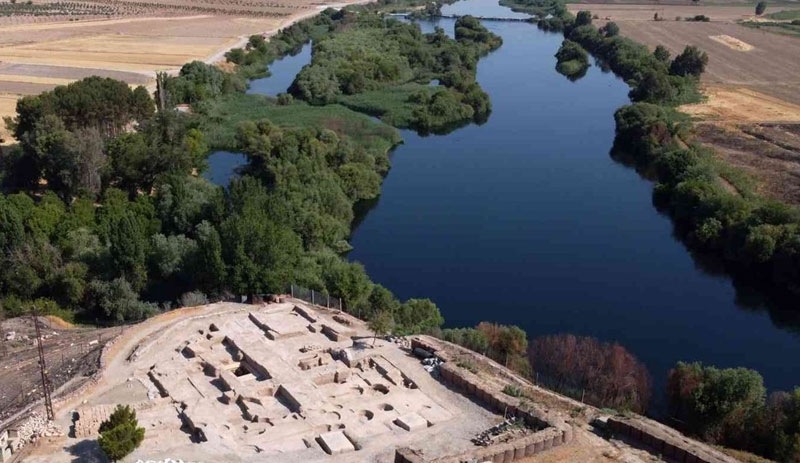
[(335, 442), (411, 422)]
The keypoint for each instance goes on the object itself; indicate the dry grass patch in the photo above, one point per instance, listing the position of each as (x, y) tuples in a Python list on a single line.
[(739, 104), (731, 42)]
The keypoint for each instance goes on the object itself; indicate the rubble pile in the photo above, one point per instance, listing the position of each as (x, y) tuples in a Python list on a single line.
[(508, 430), (35, 427), (431, 364)]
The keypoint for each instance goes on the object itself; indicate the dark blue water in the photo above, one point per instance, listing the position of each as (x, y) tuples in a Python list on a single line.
[(282, 73), (222, 167), (527, 220)]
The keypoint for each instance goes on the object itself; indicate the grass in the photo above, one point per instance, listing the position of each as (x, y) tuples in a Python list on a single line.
[(784, 15), (467, 365), (221, 117), (391, 104), (744, 457), (775, 27), (573, 68), (512, 390)]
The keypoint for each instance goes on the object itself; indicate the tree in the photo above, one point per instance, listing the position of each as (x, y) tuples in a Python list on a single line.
[(117, 301), (661, 53), (129, 249), (713, 403), (607, 373), (692, 62), (418, 316), (760, 8), (120, 434), (209, 271), (506, 344), (381, 324), (584, 18), (654, 87), (611, 29)]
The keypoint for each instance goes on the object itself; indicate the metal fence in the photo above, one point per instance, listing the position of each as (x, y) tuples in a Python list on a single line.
[(65, 356), (316, 297)]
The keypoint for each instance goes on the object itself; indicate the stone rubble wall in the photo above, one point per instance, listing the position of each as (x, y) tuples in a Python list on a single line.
[(556, 431), (666, 442)]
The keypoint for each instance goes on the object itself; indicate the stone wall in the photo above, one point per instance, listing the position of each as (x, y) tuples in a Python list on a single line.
[(552, 431), (665, 442)]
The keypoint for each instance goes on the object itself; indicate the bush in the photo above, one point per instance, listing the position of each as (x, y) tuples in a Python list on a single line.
[(193, 299), (609, 374), (512, 390), (761, 7), (120, 434)]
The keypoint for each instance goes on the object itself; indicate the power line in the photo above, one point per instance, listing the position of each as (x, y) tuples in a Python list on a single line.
[(48, 403)]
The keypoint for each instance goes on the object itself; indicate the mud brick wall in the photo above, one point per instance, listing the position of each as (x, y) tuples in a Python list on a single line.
[(668, 445)]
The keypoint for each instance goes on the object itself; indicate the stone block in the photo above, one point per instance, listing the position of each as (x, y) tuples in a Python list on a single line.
[(411, 422), (509, 455), (341, 376), (335, 442)]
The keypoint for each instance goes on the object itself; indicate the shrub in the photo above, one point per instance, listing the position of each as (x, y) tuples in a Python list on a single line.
[(691, 62), (120, 434), (512, 390), (760, 8), (193, 299)]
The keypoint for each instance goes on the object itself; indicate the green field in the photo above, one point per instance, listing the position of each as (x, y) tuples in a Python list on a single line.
[(784, 15), (221, 117)]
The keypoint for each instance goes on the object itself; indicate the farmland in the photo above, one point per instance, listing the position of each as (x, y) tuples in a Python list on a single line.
[(751, 112), (48, 44)]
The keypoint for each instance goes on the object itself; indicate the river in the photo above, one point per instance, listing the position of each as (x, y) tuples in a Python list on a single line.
[(527, 220)]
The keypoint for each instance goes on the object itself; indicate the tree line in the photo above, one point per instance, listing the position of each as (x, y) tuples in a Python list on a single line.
[(104, 215)]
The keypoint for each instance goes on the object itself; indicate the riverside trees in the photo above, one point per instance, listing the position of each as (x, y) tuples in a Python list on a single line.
[(730, 407), (384, 67)]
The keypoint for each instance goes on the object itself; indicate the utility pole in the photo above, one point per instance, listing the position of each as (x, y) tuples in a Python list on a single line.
[(2, 333), (48, 403)]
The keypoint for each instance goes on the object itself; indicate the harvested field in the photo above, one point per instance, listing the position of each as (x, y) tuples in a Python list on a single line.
[(31, 72), (771, 67), (739, 104), (644, 12), (770, 153)]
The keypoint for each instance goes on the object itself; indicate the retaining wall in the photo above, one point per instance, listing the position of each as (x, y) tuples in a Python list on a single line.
[(552, 430), (665, 442)]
